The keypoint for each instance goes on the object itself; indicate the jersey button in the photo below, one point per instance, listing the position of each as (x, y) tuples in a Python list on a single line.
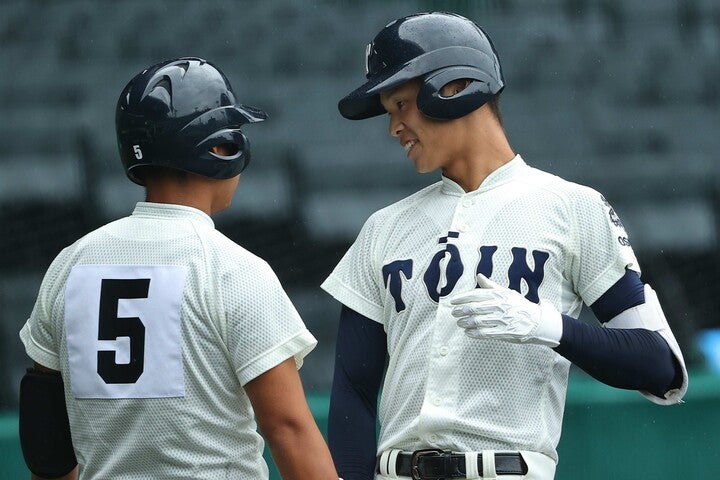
[(467, 202), (433, 438), (437, 401), (444, 350)]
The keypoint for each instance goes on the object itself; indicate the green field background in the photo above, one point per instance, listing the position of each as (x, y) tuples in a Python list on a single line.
[(607, 434)]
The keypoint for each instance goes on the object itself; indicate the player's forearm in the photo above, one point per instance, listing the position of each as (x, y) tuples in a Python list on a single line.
[(351, 426), (359, 366), (634, 359), (287, 424), (351, 434), (299, 451)]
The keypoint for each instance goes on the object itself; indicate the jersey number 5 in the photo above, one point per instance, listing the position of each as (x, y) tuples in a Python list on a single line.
[(111, 327), (123, 325)]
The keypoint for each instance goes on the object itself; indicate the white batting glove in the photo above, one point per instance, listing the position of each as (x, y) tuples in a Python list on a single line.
[(495, 312)]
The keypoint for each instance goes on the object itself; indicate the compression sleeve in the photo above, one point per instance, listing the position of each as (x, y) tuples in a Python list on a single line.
[(634, 359), (626, 293), (360, 357)]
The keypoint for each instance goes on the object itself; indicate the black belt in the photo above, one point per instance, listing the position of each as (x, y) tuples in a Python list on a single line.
[(434, 464)]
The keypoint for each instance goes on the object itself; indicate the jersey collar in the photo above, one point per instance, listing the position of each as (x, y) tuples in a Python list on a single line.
[(498, 177), (171, 210)]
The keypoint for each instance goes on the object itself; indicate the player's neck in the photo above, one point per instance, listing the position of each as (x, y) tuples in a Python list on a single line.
[(487, 151), (180, 195), (472, 173)]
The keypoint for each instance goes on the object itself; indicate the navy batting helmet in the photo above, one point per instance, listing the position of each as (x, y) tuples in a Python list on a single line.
[(439, 47), (173, 113)]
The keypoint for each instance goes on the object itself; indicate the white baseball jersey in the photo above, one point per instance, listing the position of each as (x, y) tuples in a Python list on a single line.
[(156, 321), (523, 228)]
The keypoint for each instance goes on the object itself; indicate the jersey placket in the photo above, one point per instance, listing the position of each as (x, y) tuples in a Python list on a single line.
[(439, 407)]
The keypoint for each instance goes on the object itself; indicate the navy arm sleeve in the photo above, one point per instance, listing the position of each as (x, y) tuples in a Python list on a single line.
[(634, 359), (360, 358)]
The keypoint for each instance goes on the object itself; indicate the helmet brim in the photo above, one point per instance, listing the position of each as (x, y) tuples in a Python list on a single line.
[(364, 101)]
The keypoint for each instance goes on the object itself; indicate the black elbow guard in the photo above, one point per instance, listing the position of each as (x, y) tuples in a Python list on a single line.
[(44, 427)]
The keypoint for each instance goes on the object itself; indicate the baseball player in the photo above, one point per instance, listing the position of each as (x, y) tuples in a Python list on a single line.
[(461, 300), (158, 342)]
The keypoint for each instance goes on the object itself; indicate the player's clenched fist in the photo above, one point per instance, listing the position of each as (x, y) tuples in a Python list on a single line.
[(495, 312)]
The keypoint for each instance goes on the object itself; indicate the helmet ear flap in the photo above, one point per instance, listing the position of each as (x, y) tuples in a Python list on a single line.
[(480, 90), (224, 166)]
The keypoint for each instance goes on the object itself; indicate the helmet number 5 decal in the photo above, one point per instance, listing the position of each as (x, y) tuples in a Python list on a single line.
[(138, 152), (124, 331)]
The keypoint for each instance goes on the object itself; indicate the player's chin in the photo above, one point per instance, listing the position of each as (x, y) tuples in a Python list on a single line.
[(425, 168), (423, 164)]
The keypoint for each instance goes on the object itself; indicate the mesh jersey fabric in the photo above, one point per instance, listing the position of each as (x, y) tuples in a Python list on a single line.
[(236, 323), (560, 240)]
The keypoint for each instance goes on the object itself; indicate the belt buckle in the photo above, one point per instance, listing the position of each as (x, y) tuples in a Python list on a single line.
[(416, 455)]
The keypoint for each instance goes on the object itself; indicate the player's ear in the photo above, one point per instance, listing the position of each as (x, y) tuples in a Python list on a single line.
[(453, 88)]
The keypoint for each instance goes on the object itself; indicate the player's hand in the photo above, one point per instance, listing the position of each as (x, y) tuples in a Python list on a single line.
[(495, 312)]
